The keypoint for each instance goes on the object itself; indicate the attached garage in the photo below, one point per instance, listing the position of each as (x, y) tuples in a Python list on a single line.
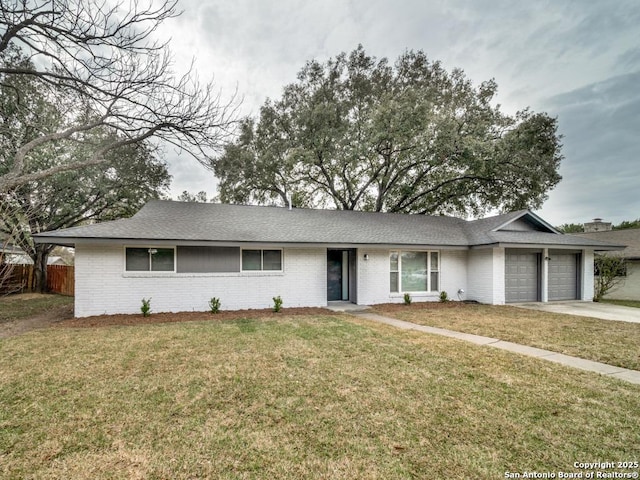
[(563, 275), (522, 274)]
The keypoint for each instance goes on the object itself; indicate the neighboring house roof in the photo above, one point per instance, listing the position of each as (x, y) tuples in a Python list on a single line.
[(162, 220), (24, 259), (9, 249), (629, 237)]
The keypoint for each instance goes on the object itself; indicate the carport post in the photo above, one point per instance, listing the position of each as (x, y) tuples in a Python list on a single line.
[(544, 276)]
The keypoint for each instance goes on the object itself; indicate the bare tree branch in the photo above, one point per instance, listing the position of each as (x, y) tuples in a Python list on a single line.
[(105, 56)]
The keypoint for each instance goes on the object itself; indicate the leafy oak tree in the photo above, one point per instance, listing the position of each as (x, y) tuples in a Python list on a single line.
[(121, 77), (185, 196), (627, 224), (359, 133), (571, 228), (118, 188)]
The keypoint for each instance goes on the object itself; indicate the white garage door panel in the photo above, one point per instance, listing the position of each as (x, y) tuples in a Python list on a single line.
[(563, 277), (521, 277)]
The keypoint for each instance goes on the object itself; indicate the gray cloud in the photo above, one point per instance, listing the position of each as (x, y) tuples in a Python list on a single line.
[(600, 123), (578, 61)]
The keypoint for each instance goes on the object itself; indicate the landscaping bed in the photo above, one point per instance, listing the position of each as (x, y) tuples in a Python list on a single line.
[(139, 319)]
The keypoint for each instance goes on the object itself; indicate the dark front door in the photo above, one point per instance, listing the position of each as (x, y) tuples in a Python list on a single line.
[(337, 275)]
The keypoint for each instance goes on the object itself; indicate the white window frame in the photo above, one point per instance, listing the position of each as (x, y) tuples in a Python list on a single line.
[(429, 271), (262, 270), (150, 271)]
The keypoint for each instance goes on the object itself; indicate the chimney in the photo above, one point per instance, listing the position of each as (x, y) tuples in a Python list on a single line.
[(597, 226)]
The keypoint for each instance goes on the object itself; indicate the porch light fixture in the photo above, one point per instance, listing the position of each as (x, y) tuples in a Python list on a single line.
[(366, 256), (153, 251)]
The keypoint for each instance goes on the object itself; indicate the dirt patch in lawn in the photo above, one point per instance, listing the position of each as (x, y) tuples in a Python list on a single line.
[(138, 319), (51, 316)]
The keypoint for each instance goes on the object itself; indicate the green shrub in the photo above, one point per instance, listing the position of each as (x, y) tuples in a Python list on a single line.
[(146, 307), (407, 299), (277, 303), (444, 297), (609, 271), (214, 305)]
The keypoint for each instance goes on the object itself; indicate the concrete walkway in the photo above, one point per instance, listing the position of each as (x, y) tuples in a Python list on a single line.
[(625, 374), (604, 311)]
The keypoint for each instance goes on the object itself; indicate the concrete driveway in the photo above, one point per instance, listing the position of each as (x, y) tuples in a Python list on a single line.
[(604, 311)]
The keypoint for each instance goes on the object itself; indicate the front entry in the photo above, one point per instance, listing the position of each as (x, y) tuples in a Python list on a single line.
[(340, 269)]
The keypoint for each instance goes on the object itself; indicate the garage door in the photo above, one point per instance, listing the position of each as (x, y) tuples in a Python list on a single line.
[(521, 277), (563, 276)]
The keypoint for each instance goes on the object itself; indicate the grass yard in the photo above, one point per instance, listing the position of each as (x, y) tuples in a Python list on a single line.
[(16, 307), (615, 343), (624, 303), (304, 397)]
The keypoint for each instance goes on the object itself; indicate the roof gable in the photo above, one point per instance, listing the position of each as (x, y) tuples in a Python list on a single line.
[(525, 221)]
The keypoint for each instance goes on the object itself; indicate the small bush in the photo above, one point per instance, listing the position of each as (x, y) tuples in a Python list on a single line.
[(277, 303), (609, 271), (214, 305), (407, 299), (146, 307), (444, 297)]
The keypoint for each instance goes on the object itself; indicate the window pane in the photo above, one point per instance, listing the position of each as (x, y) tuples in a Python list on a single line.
[(272, 260), (434, 261), (414, 271), (137, 259), (434, 281), (393, 261), (162, 259), (251, 259), (394, 282)]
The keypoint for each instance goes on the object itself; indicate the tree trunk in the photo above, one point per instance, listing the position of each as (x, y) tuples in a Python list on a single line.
[(40, 268)]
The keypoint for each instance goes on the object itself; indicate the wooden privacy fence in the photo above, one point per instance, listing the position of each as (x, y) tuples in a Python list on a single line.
[(60, 279), (21, 278)]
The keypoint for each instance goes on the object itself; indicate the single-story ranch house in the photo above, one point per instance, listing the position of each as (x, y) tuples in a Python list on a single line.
[(182, 254)]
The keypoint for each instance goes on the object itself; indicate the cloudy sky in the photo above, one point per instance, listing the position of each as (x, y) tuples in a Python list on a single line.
[(578, 60)]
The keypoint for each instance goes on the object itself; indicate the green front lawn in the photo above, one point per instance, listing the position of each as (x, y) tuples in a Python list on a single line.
[(615, 343), (624, 303), (322, 396)]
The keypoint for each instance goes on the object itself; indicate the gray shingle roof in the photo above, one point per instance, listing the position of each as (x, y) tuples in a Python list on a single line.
[(206, 222), (629, 237)]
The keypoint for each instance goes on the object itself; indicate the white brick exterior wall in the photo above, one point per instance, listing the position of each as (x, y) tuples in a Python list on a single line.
[(587, 276), (499, 262), (485, 275), (102, 286), (373, 277), (453, 273)]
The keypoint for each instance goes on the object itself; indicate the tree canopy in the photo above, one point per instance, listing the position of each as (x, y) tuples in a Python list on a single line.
[(102, 58), (359, 133), (579, 227), (127, 178)]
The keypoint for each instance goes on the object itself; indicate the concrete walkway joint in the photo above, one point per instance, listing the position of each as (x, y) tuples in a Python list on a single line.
[(632, 376)]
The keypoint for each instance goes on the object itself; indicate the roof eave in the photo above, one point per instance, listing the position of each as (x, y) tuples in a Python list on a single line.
[(555, 246), (73, 241)]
